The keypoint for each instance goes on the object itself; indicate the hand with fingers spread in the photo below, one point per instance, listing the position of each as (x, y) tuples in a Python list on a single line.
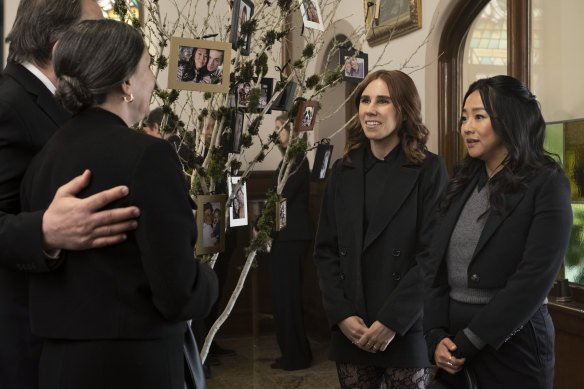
[(353, 328), (376, 338), (72, 223), (445, 360)]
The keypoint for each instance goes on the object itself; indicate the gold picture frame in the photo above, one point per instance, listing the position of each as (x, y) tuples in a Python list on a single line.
[(179, 48), (392, 19)]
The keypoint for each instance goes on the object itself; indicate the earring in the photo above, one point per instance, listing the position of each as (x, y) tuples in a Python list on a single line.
[(129, 100)]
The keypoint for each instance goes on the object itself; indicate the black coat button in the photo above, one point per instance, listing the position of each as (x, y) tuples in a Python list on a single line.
[(343, 251), (396, 252), (396, 276), (342, 276)]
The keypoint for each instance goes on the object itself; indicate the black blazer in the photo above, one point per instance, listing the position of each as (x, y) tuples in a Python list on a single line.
[(519, 251), (144, 287), (296, 191), (396, 241), (29, 116)]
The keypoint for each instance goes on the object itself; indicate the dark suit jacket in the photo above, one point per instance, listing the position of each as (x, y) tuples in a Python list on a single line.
[(396, 241), (143, 288), (29, 116), (519, 251), (296, 191)]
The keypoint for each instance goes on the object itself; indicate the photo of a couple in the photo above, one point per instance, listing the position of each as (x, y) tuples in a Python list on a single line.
[(200, 65)]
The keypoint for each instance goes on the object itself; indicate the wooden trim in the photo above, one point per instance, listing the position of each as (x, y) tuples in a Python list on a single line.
[(519, 39), (449, 66)]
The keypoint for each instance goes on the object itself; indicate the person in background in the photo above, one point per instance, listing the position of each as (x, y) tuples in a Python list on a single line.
[(115, 317), (33, 241), (288, 249), (506, 220), (376, 222), (152, 125)]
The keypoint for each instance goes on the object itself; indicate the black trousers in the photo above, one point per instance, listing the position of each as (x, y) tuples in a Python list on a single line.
[(113, 364), (285, 275), (526, 360)]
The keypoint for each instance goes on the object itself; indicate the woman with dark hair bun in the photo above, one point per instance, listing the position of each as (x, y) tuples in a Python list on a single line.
[(115, 317), (505, 226), (376, 222)]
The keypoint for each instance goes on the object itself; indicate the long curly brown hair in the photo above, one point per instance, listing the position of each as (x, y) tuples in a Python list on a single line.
[(412, 133)]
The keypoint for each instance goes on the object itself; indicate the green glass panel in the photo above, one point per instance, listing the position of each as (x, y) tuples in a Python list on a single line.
[(574, 261), (574, 157), (487, 34), (554, 140), (494, 44), (474, 43), (484, 43)]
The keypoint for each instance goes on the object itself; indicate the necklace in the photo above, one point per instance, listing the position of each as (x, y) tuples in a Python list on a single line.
[(491, 173)]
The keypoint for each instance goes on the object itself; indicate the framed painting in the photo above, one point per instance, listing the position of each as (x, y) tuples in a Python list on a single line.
[(199, 65), (306, 117), (391, 19)]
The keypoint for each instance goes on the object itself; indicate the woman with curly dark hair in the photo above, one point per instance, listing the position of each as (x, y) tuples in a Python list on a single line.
[(505, 226), (375, 225)]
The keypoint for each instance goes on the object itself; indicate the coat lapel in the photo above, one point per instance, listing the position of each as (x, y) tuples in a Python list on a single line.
[(352, 200), (495, 219), (43, 97), (395, 191), (450, 218)]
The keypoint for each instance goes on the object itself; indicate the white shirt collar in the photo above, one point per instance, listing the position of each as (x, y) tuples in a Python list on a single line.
[(44, 79)]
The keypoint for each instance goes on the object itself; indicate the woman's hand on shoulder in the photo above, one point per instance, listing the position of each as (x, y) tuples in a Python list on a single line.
[(444, 358), (376, 338)]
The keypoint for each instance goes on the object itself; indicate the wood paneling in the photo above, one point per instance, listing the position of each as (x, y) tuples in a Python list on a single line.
[(569, 324)]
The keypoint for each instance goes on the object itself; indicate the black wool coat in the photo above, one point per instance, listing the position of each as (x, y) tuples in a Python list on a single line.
[(395, 241), (143, 288), (520, 251)]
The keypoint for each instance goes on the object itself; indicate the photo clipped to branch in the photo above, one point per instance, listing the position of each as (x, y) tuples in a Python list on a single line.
[(199, 65), (306, 116), (242, 12), (285, 99), (355, 65), (322, 161), (239, 96), (311, 15), (238, 209), (210, 219), (281, 215)]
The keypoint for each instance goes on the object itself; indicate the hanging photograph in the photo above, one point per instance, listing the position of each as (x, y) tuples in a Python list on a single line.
[(281, 215), (238, 209), (355, 65), (242, 12), (237, 119), (306, 116), (311, 15), (199, 65), (322, 161), (284, 101), (239, 96), (210, 219)]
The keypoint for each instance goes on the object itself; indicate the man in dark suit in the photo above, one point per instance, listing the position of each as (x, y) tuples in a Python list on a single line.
[(288, 250), (32, 241)]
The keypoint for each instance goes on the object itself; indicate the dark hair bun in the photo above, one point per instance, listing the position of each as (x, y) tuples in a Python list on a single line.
[(73, 95)]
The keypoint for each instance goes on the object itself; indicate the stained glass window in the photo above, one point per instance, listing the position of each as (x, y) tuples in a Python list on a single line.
[(107, 7)]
